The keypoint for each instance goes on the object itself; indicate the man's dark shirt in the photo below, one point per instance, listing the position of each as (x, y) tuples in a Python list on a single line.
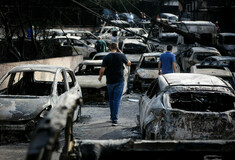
[(113, 62)]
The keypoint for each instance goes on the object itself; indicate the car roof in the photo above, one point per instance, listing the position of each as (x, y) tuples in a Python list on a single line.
[(92, 62), (37, 67), (169, 14), (101, 54), (67, 37), (227, 34), (152, 54), (221, 58), (133, 29), (198, 23), (192, 79), (134, 41), (204, 49), (214, 71)]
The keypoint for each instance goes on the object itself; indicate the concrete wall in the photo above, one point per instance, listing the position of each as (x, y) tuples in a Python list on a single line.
[(69, 62)]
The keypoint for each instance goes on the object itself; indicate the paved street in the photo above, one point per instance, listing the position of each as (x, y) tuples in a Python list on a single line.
[(95, 122)]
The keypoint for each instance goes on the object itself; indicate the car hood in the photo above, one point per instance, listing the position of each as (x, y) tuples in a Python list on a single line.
[(91, 81), (229, 47), (147, 73), (21, 108)]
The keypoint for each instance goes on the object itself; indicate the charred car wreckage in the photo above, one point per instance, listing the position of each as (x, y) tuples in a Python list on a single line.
[(147, 70), (93, 90), (186, 106), (194, 55), (29, 92)]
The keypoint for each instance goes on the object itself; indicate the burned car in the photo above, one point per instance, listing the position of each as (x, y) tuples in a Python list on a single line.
[(87, 74), (147, 70), (194, 55), (79, 46), (218, 71), (224, 61), (187, 106), (29, 92), (133, 49), (226, 44)]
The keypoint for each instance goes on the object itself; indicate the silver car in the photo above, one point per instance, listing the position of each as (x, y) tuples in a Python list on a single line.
[(182, 106)]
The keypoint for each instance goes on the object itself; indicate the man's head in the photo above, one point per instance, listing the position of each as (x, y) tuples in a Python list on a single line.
[(169, 47), (113, 46)]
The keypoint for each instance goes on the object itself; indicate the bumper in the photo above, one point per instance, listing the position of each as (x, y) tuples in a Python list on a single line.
[(29, 126), (8, 127)]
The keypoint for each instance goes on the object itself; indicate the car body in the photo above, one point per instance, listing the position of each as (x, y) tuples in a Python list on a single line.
[(79, 46), (84, 35), (104, 33), (29, 92), (172, 18), (226, 44), (133, 49), (224, 61), (121, 23), (194, 55), (100, 56), (218, 71), (87, 73), (147, 70), (125, 16), (127, 33), (187, 106)]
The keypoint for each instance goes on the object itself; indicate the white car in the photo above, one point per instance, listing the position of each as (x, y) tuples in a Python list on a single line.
[(105, 33), (147, 70), (132, 33), (84, 35), (93, 90), (194, 56), (79, 46), (170, 17), (133, 49)]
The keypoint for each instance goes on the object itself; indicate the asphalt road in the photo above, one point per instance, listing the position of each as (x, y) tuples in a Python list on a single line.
[(95, 124)]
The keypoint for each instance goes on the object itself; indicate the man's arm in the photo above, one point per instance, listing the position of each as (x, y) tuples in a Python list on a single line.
[(174, 68), (159, 67), (128, 63), (101, 73)]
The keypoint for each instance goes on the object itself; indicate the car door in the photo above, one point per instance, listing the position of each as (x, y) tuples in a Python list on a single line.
[(185, 59), (80, 47), (146, 99)]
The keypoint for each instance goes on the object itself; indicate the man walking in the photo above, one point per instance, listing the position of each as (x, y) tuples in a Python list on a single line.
[(113, 66), (167, 60), (100, 45)]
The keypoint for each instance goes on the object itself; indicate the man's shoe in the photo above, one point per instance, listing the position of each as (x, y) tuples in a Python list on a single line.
[(114, 123)]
